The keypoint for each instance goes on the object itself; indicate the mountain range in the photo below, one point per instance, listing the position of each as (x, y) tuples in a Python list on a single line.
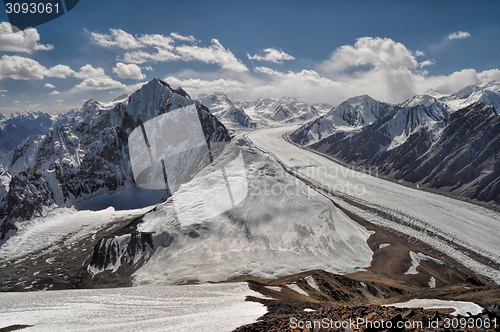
[(262, 112), (87, 155), (448, 143)]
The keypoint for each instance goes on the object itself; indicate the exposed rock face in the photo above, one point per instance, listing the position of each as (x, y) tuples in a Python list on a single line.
[(110, 252), (88, 155)]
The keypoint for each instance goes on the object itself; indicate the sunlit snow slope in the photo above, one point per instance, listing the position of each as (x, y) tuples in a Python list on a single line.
[(220, 307), (282, 227)]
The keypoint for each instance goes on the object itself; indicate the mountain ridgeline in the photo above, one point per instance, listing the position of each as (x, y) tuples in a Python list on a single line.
[(424, 140), (88, 155)]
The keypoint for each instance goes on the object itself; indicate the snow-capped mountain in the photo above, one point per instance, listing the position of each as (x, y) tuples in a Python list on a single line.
[(261, 112), (89, 154), (283, 110), (342, 121), (16, 127), (462, 160), (225, 109), (486, 91), (390, 131)]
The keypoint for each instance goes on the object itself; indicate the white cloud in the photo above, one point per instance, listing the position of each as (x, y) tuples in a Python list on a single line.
[(60, 71), (267, 71), (53, 93), (426, 63), (25, 41), (99, 83), (88, 71), (4, 91), (177, 36), (48, 85), (198, 86), (116, 37), (166, 50), (21, 68), (160, 41), (459, 35), (141, 56), (419, 53), (96, 79), (378, 53), (272, 55), (131, 71), (215, 53)]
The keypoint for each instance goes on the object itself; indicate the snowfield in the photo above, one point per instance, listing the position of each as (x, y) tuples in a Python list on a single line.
[(461, 308), (60, 227), (468, 225), (207, 307), (279, 229)]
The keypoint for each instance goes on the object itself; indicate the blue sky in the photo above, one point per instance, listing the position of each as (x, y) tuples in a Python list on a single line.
[(316, 51)]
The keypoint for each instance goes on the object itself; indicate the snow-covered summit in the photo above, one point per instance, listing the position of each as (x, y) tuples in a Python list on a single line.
[(346, 119), (225, 109), (486, 91)]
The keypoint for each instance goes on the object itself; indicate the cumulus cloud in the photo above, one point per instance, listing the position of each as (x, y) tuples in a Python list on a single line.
[(426, 63), (53, 93), (177, 36), (378, 53), (140, 49), (21, 68), (215, 53), (419, 53), (459, 35), (25, 42), (48, 85), (272, 55), (96, 79), (131, 71)]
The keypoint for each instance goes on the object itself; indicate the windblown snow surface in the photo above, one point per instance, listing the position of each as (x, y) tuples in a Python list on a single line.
[(461, 308), (207, 307), (60, 227), (280, 228), (468, 225)]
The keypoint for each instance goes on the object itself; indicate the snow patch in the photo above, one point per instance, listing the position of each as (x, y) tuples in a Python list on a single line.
[(296, 288), (432, 282), (383, 245), (310, 280), (461, 308), (416, 258)]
